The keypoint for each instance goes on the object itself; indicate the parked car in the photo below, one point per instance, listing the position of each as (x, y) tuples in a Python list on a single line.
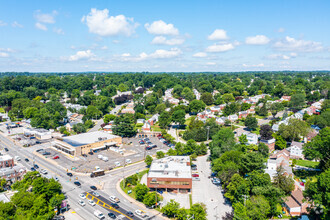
[(90, 153), (36, 166), (82, 203), (84, 155), (32, 169), (195, 175), (77, 183), (93, 187), (26, 159), (39, 150), (82, 196), (111, 215), (6, 149), (91, 202), (56, 157), (69, 174), (100, 156), (45, 153), (114, 199), (117, 164), (128, 161), (148, 148), (141, 142)]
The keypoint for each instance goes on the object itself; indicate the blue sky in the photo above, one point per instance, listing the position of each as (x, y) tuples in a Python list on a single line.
[(72, 36)]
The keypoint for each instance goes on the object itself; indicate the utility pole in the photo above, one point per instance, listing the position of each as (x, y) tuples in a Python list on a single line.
[(208, 132)]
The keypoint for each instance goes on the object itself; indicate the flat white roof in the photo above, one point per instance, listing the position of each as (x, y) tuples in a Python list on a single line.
[(170, 167), (88, 138), (5, 157)]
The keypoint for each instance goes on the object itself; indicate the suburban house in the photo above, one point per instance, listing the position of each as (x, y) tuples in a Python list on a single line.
[(285, 98), (140, 121), (294, 203), (233, 118), (310, 135), (220, 121), (243, 114), (108, 128), (296, 150), (279, 159), (252, 138), (146, 127), (153, 119), (270, 143)]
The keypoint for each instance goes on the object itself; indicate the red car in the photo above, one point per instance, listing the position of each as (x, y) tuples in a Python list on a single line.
[(195, 175), (56, 157)]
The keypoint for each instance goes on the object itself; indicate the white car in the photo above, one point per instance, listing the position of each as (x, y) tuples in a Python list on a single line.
[(100, 156), (114, 199), (117, 164), (91, 202), (82, 203), (17, 158), (120, 217), (141, 213), (82, 196), (128, 161), (96, 194), (105, 159), (43, 171), (99, 214)]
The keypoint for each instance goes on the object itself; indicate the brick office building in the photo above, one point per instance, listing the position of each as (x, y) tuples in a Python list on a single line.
[(170, 173), (6, 161)]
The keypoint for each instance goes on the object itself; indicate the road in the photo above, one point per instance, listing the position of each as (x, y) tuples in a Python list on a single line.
[(71, 190), (97, 126)]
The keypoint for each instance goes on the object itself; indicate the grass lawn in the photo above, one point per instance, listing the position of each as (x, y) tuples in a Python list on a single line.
[(308, 163), (188, 121), (256, 131), (306, 175), (156, 128), (241, 123), (128, 188)]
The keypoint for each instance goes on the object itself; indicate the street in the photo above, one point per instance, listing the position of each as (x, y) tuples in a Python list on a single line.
[(72, 191)]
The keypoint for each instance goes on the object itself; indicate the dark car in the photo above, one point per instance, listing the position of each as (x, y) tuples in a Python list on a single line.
[(6, 149), (129, 214), (93, 187), (26, 159), (84, 155), (115, 205), (32, 169), (193, 165), (148, 148), (111, 215), (39, 150), (77, 183), (69, 174), (90, 153), (45, 153), (36, 166)]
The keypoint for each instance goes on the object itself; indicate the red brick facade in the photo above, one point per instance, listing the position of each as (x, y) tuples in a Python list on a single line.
[(169, 183), (7, 163)]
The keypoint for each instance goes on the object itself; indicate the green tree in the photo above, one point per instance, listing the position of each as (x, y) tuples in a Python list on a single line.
[(319, 148), (79, 128), (286, 183), (188, 94), (150, 199), (171, 208), (237, 188), (257, 208), (266, 132), (109, 117), (196, 106), (251, 161), (276, 107), (160, 108), (242, 139), (198, 211), (160, 154), (251, 122), (164, 120), (179, 117), (228, 97), (140, 191), (92, 112), (124, 126), (207, 98), (280, 143), (122, 87), (297, 101), (148, 160), (294, 130)]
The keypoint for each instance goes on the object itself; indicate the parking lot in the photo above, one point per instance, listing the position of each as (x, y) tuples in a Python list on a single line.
[(130, 152)]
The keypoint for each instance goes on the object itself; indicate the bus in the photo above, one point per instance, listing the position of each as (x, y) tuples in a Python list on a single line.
[(97, 173)]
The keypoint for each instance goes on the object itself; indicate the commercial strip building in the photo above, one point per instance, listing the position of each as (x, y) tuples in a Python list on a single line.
[(39, 133), (170, 173), (77, 145)]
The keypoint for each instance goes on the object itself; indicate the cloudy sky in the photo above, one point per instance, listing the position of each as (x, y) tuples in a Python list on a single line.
[(185, 35)]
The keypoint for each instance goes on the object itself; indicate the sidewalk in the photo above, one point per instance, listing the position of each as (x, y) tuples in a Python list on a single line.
[(152, 212)]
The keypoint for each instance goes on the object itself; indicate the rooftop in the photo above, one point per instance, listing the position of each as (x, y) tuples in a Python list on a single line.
[(88, 138), (171, 167), (5, 158)]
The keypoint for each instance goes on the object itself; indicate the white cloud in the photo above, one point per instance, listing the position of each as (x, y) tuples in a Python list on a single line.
[(220, 47), (41, 26), (257, 40), (200, 54), (253, 65), (81, 55), (218, 34), (161, 40), (99, 22), (126, 55), (2, 23), (291, 44), (3, 54), (281, 30), (16, 24), (210, 63), (161, 28), (45, 18), (58, 31), (9, 50), (104, 48), (281, 56), (158, 54)]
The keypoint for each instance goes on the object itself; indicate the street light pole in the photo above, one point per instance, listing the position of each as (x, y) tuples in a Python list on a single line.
[(208, 132)]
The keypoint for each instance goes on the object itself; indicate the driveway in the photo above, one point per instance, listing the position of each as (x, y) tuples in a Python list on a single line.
[(204, 191)]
